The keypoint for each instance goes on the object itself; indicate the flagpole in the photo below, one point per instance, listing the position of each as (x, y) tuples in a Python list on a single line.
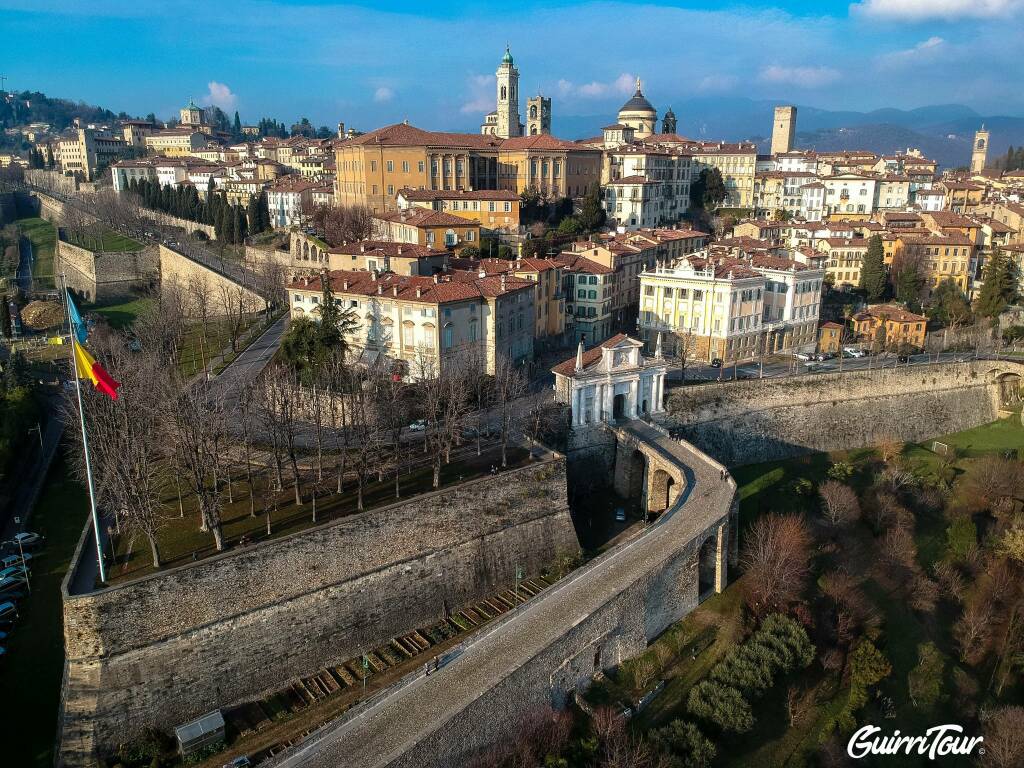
[(85, 439)]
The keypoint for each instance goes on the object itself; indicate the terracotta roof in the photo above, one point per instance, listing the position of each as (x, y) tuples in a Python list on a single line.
[(573, 262), (425, 217), (458, 194), (405, 135), (542, 141), (383, 248), (438, 289), (498, 266), (889, 312), (590, 356)]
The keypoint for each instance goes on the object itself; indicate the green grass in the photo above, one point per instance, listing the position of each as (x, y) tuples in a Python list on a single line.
[(201, 344), (102, 238), (31, 672), (43, 236), (122, 314), (1002, 435)]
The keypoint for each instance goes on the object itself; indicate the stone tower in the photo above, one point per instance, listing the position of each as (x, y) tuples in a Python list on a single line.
[(979, 151), (783, 129), (191, 115), (509, 123), (668, 122), (538, 116)]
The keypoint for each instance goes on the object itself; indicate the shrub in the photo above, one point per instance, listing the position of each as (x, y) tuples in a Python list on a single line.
[(925, 680), (721, 705), (841, 471), (685, 742), (961, 537), (745, 670)]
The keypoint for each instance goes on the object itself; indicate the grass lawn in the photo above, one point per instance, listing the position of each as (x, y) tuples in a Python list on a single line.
[(102, 238), (181, 538), (31, 671), (43, 236), (200, 344), (122, 314)]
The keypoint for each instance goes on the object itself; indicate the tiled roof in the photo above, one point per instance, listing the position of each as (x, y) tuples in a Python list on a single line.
[(425, 217), (458, 194), (438, 289), (405, 135), (889, 312), (383, 248), (590, 356)]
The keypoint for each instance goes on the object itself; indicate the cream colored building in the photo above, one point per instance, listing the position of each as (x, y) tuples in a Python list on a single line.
[(425, 321), (90, 152), (175, 142)]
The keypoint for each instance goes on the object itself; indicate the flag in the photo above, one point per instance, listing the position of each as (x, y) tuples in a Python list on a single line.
[(87, 368), (77, 326)]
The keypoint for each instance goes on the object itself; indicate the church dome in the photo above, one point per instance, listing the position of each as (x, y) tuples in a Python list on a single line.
[(670, 113), (638, 103), (507, 58)]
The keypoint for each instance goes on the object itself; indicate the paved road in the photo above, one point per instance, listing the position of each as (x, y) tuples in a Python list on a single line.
[(247, 366), (419, 708)]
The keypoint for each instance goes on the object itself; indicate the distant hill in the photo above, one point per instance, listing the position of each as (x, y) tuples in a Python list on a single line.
[(943, 131), (35, 107)]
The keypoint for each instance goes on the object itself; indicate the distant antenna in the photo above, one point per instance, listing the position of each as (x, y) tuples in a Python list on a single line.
[(3, 79)]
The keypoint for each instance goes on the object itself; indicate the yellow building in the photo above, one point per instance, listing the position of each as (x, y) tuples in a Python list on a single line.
[(890, 326), (940, 257), (495, 209), (830, 338), (961, 196), (372, 168), (421, 226), (844, 259), (175, 142)]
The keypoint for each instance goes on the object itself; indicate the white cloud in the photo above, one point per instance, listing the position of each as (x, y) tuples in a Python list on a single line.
[(383, 95), (481, 95), (802, 77), (220, 95), (923, 51), (622, 86), (917, 10), (716, 83)]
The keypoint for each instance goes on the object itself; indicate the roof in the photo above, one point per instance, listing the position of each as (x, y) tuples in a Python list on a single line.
[(382, 248), (542, 141), (573, 262), (425, 217), (590, 356), (438, 289), (498, 266), (892, 312), (458, 194), (405, 135)]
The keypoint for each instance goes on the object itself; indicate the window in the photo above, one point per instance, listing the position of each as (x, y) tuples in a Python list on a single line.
[(490, 206), (405, 166), (298, 297), (373, 165), (450, 238), (390, 166), (580, 294), (408, 334)]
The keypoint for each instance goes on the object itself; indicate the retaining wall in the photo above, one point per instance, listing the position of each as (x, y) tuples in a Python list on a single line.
[(219, 289), (108, 275), (169, 647), (767, 419)]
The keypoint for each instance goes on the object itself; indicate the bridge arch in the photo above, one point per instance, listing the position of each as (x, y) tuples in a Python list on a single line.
[(663, 491)]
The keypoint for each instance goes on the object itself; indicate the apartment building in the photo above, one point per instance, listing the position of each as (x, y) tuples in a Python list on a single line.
[(494, 209), (289, 199), (422, 226), (424, 322), (175, 142), (89, 152), (890, 326)]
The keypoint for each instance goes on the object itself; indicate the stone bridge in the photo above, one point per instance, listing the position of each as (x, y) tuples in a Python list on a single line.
[(541, 654)]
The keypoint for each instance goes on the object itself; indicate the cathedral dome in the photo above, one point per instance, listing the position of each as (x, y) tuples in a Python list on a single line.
[(638, 103), (507, 58)]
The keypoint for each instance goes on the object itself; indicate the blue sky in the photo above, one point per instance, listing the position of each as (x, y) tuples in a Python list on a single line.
[(371, 63)]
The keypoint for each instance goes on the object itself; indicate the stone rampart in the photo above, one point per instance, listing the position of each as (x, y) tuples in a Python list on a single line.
[(166, 648), (767, 419), (192, 276), (101, 276), (188, 225)]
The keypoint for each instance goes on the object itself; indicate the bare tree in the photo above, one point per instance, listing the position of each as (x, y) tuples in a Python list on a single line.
[(280, 409), (1004, 737), (776, 559), (838, 503), (246, 419), (509, 385), (199, 295)]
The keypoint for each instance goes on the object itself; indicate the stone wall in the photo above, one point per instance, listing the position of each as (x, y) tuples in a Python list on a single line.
[(177, 268), (766, 419), (102, 276), (174, 645), (8, 208), (174, 221)]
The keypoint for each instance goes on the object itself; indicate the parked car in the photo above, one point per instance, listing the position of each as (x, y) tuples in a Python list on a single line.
[(239, 762), (902, 358), (620, 515), (15, 570), (8, 613), (854, 352), (12, 583), (15, 559), (802, 356), (420, 425), (716, 363), (28, 540)]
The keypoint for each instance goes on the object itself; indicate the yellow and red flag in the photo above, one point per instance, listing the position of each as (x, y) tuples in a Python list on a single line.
[(87, 368)]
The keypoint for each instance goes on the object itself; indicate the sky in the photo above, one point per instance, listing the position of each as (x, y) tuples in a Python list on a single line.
[(373, 63)]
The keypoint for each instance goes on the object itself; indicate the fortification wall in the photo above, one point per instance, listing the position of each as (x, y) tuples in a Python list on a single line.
[(176, 268), (172, 646), (175, 221), (767, 419), (108, 275)]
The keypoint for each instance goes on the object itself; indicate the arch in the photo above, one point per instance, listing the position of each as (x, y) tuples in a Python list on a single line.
[(533, 111), (662, 492), (636, 477), (707, 567), (504, 93), (1009, 384)]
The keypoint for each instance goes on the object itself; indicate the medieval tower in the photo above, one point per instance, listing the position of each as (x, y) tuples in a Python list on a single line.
[(783, 129), (979, 151), (508, 98), (538, 116)]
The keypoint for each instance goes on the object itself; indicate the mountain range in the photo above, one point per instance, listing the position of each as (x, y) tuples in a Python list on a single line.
[(943, 132)]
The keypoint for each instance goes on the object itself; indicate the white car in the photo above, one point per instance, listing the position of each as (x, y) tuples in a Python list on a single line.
[(420, 425), (802, 356), (27, 540), (854, 352)]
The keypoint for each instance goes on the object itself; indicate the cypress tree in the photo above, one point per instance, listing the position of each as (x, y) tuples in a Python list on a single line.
[(237, 227), (999, 288), (872, 271), (264, 211), (238, 125), (252, 215)]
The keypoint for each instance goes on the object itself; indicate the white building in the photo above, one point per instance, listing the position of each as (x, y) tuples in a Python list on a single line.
[(286, 199), (634, 202), (930, 199), (812, 201), (610, 382), (850, 193)]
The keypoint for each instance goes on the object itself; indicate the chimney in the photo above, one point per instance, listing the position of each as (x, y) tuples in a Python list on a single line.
[(380, 289), (579, 357), (504, 282), (435, 279), (395, 291), (418, 292), (482, 274), (344, 285), (362, 248)]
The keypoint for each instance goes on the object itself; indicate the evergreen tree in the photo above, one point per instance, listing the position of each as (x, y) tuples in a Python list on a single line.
[(238, 125), (5, 317), (252, 214), (909, 282), (592, 215), (264, 212), (999, 288), (872, 271)]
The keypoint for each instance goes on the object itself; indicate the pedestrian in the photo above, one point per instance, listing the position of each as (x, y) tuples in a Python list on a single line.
[(494, 470)]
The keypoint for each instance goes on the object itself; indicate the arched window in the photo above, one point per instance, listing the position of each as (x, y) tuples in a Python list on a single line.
[(533, 130), (504, 93), (533, 111)]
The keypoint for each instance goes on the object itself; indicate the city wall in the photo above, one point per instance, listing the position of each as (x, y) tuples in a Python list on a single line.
[(759, 420), (166, 648), (101, 276), (219, 290)]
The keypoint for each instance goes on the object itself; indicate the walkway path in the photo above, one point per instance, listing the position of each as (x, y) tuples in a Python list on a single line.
[(414, 710)]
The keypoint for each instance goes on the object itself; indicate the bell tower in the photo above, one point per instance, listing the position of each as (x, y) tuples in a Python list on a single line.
[(508, 98), (538, 116), (979, 151)]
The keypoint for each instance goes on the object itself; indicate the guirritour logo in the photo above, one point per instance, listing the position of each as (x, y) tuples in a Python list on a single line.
[(938, 741)]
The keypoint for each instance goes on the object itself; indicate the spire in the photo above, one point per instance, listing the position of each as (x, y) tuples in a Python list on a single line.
[(638, 91), (507, 58), (657, 347), (579, 358)]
